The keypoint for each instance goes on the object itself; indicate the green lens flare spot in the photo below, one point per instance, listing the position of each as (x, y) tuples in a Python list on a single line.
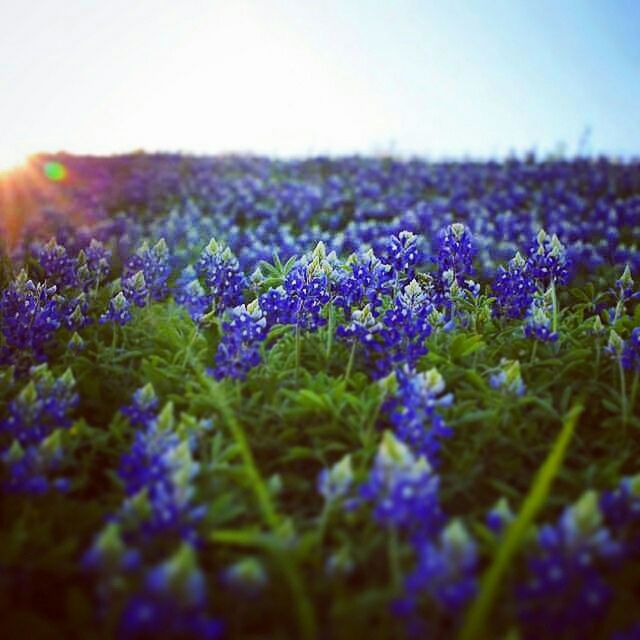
[(55, 171)]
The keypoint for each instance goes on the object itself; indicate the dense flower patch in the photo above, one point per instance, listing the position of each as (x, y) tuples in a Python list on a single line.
[(243, 397)]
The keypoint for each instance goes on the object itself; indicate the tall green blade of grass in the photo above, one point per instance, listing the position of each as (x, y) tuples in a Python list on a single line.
[(475, 623)]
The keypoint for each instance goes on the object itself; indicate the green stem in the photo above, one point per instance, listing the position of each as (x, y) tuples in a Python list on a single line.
[(304, 610), (494, 578), (623, 393), (352, 353), (393, 551), (533, 351), (634, 391), (330, 328), (297, 348), (192, 340), (554, 300), (258, 485)]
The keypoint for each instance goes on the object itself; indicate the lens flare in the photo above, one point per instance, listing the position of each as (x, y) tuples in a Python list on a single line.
[(55, 171)]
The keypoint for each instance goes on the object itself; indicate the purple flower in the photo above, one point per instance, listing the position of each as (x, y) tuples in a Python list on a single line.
[(445, 571), (402, 254), (143, 408), (565, 589), (631, 352), (412, 411), (59, 268), (190, 293), (220, 271), (29, 316), (43, 405), (239, 349), (514, 289), (118, 310), (456, 251), (154, 264), (547, 261), (402, 489), (172, 602)]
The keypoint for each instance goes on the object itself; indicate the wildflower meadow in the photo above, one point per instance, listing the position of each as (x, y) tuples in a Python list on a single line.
[(328, 398)]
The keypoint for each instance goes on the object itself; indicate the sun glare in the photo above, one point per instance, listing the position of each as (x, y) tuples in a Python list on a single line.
[(11, 161)]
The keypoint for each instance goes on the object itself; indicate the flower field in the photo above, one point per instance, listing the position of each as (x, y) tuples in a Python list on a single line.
[(325, 398)]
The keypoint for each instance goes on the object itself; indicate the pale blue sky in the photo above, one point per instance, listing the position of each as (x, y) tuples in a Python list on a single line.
[(438, 78)]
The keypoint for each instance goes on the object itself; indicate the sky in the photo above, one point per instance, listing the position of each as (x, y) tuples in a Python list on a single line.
[(479, 78)]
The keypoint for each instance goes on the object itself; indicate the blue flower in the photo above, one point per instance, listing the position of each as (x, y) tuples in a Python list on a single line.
[(538, 322), (630, 357), (118, 310), (456, 250), (29, 316), (445, 571), (222, 277), (172, 602), (565, 589), (412, 411), (190, 293), (402, 489), (43, 405), (514, 289), (402, 254), (239, 349), (154, 264), (59, 268), (547, 261), (143, 408)]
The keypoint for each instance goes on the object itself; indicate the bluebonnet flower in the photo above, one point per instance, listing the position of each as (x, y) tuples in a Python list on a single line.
[(278, 307), (456, 250), (547, 261), (402, 254), (154, 264), (109, 555), (565, 589), (335, 482), (76, 343), (118, 311), (246, 576), (412, 411), (514, 289), (404, 330), (307, 287), (621, 512), (538, 322), (509, 378), (445, 572), (365, 282), (615, 345), (157, 474), (630, 356), (222, 277), (92, 266), (172, 602), (35, 470), (239, 349), (402, 489), (58, 266), (73, 311), (43, 405), (98, 261), (190, 293), (499, 516), (143, 408), (29, 316), (135, 289)]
